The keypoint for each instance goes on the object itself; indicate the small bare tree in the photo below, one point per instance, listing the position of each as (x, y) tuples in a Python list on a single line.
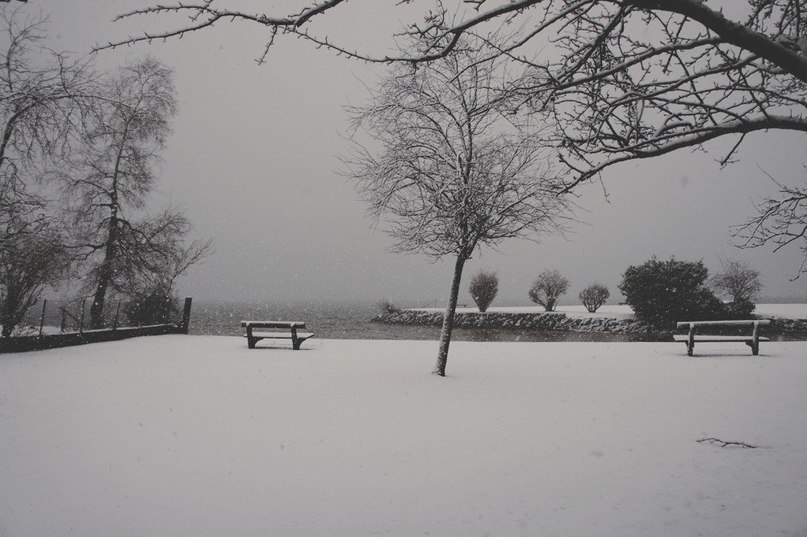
[(594, 296), (451, 174), (737, 280), (547, 288), (484, 287)]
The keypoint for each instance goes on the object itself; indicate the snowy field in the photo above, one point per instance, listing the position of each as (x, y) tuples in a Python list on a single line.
[(199, 436)]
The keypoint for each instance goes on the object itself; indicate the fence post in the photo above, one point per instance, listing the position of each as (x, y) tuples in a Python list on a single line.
[(61, 326), (186, 316), (42, 318), (81, 321)]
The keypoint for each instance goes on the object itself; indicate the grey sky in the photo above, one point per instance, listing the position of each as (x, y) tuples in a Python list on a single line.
[(253, 157)]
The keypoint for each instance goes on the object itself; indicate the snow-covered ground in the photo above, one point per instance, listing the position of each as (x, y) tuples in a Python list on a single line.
[(197, 435)]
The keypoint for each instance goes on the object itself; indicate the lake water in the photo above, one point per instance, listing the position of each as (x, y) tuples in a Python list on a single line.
[(352, 321)]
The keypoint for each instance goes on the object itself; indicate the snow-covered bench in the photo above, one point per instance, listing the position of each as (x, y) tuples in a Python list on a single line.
[(275, 330), (691, 337)]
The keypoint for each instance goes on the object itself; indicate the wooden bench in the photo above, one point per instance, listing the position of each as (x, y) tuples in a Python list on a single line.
[(277, 330), (691, 337)]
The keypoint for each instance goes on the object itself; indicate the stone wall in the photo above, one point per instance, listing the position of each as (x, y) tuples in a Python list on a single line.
[(794, 328), (519, 321)]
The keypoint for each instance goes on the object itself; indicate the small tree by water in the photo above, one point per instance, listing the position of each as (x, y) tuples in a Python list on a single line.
[(454, 168), (547, 288), (594, 296), (484, 287)]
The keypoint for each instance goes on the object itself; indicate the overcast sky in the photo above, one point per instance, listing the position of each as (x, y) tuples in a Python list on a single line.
[(254, 151)]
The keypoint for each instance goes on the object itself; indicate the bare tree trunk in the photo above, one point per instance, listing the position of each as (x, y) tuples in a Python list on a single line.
[(104, 277), (97, 306), (448, 318)]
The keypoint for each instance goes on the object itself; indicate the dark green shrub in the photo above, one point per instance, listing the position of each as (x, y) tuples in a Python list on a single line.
[(663, 292), (154, 308), (740, 309)]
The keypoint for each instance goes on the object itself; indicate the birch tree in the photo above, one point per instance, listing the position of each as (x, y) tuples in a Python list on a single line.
[(451, 174), (113, 173)]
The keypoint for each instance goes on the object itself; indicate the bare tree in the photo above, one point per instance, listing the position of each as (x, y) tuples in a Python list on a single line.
[(780, 221), (33, 258), (625, 79), (547, 288), (738, 281), (43, 95), (637, 78), (594, 296), (158, 253), (451, 175), (484, 287), (113, 173)]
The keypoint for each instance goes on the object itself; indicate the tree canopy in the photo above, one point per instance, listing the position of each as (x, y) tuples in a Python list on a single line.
[(623, 79)]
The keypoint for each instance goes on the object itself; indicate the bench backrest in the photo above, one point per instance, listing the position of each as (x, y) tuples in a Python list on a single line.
[(273, 324), (759, 322)]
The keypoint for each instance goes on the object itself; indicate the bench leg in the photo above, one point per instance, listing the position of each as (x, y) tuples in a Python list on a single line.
[(250, 340), (295, 341), (691, 340)]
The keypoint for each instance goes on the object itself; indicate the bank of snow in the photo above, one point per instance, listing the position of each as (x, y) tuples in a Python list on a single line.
[(196, 435)]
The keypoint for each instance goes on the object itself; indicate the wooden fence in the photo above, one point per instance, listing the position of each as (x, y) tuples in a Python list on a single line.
[(52, 341)]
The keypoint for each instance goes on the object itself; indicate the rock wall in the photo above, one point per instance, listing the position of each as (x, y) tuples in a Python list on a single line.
[(518, 321), (795, 328), (788, 327)]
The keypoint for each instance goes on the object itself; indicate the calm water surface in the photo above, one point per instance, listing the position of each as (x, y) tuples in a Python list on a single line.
[(352, 321)]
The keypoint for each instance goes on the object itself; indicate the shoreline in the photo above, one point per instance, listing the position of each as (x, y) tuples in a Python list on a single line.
[(563, 322)]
